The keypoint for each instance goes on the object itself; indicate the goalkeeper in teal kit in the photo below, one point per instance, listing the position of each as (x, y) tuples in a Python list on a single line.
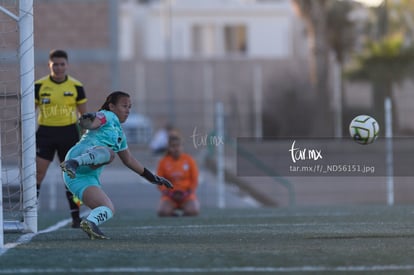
[(84, 161)]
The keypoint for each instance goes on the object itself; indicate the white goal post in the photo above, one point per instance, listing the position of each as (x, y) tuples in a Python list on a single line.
[(25, 122)]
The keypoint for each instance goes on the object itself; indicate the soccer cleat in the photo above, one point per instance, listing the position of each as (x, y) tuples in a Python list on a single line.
[(92, 230), (69, 166)]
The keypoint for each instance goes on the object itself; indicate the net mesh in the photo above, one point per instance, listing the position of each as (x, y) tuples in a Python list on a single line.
[(11, 155)]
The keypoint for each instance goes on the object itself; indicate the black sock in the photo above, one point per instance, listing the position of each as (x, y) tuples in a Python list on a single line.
[(74, 208)]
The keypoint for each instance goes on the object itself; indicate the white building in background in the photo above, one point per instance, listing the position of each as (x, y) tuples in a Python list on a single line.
[(185, 55), (184, 29)]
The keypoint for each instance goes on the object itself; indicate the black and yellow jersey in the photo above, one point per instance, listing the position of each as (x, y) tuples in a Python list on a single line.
[(57, 102)]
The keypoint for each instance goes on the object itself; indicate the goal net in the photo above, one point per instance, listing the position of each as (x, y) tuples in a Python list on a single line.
[(18, 202)]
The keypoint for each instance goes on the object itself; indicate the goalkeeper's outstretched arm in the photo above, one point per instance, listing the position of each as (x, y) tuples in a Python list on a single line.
[(132, 163)]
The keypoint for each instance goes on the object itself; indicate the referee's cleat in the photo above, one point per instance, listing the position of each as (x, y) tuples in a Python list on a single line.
[(69, 166), (92, 230), (76, 223)]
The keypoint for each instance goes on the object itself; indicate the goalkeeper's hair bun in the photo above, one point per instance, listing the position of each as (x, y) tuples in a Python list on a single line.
[(113, 98)]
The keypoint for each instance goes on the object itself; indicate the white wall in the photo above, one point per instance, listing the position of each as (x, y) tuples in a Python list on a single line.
[(269, 27)]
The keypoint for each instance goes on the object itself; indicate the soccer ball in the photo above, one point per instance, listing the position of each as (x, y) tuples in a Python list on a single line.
[(364, 129)]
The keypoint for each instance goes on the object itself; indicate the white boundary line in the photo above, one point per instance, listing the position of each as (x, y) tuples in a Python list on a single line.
[(357, 268), (29, 236), (273, 225)]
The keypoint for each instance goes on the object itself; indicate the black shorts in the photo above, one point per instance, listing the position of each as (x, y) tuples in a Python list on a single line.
[(50, 140)]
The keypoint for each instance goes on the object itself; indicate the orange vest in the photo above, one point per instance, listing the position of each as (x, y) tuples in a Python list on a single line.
[(182, 172)]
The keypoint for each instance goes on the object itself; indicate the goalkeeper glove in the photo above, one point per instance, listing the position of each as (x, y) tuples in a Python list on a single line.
[(154, 179), (86, 120)]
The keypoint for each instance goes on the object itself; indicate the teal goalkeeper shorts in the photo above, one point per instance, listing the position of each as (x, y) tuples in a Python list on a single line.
[(85, 175)]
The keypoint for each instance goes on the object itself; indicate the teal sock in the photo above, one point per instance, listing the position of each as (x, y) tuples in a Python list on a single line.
[(94, 156), (99, 215)]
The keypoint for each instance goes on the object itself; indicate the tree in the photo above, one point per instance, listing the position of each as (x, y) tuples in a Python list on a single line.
[(388, 58), (383, 63), (340, 30), (329, 30), (341, 39), (314, 15)]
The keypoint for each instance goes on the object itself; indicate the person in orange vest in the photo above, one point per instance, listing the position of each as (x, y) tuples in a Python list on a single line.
[(182, 171)]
